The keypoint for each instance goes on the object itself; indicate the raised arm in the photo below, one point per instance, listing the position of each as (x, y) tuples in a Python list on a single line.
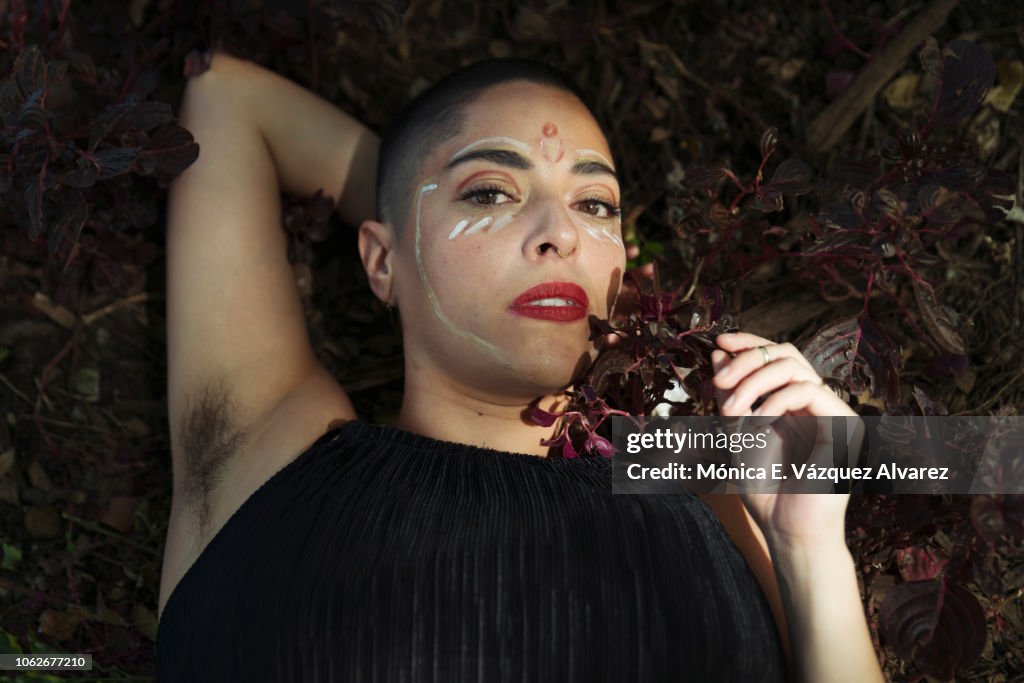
[(238, 351)]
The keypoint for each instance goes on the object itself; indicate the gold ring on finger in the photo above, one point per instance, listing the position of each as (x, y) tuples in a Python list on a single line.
[(764, 353)]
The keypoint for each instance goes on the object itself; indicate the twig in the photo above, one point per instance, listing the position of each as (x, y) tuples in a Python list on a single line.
[(137, 298), (99, 529), (54, 312), (1012, 384), (7, 585), (15, 390), (831, 124), (849, 44)]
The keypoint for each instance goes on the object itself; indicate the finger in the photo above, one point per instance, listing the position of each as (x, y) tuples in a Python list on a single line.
[(740, 341), (752, 360), (765, 380), (737, 342), (748, 360), (808, 398)]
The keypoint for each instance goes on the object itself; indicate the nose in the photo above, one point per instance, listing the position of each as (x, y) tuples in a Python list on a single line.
[(554, 235)]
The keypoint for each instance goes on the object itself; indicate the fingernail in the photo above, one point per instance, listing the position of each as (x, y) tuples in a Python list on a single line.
[(729, 402), (724, 372)]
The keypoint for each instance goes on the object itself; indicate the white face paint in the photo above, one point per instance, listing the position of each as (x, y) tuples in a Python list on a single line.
[(551, 149), (583, 153), (521, 146), (432, 296)]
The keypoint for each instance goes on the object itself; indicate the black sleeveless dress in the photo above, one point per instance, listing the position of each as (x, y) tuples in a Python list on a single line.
[(382, 555)]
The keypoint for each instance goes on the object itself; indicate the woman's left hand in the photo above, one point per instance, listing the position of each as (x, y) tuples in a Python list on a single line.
[(748, 368)]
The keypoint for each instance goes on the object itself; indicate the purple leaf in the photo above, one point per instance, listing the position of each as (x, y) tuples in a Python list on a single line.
[(937, 625), (105, 122), (32, 114), (968, 73), (73, 213), (82, 177), (34, 203), (30, 71), (792, 176), (115, 161), (145, 116), (857, 353), (172, 150), (836, 81), (919, 564), (541, 417), (600, 445)]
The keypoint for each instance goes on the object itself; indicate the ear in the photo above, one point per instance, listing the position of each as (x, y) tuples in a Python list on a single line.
[(376, 249)]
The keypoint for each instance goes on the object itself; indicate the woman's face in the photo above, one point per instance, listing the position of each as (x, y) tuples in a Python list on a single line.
[(514, 238)]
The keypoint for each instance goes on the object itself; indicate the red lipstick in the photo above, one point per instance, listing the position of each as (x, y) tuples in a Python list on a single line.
[(554, 301)]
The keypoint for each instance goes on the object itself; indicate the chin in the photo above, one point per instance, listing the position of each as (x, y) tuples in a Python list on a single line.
[(547, 372)]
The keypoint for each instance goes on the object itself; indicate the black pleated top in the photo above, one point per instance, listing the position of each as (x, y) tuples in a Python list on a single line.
[(382, 555)]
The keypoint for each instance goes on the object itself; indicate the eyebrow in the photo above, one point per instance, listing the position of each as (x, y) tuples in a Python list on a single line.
[(509, 159), (501, 157), (591, 167)]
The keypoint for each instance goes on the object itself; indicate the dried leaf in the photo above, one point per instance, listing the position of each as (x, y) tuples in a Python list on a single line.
[(144, 621), (6, 462), (42, 522), (1010, 77), (61, 626), (769, 141), (940, 320), (931, 57), (889, 204), (901, 93), (120, 513)]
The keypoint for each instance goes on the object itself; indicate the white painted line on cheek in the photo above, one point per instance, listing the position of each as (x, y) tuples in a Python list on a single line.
[(432, 296), (479, 225), (501, 223), (458, 228), (522, 146), (612, 236)]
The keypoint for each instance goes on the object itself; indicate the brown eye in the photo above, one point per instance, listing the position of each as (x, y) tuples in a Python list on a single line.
[(488, 196), (598, 208)]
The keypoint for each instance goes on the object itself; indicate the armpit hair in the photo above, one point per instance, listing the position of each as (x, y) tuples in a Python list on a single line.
[(209, 437)]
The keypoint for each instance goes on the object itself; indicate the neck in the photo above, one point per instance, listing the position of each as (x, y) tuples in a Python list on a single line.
[(441, 411)]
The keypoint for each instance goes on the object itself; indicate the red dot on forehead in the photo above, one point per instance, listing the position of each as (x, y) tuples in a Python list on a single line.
[(550, 129)]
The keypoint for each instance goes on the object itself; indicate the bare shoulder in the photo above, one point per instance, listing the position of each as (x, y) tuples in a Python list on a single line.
[(222, 455)]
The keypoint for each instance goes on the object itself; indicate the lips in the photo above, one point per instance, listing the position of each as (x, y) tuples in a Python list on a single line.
[(554, 301)]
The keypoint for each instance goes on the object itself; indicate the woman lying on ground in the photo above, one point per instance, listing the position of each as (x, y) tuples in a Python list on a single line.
[(448, 547)]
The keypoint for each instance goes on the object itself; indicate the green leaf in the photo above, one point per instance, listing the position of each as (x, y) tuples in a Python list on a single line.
[(9, 644), (12, 556)]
